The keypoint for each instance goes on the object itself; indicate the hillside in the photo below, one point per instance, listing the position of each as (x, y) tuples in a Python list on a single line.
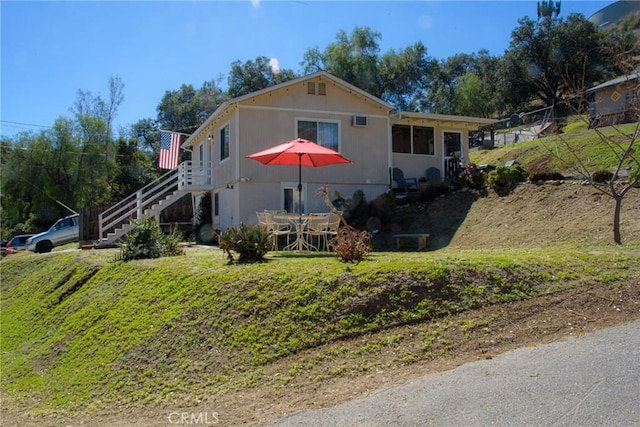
[(87, 340), (531, 215)]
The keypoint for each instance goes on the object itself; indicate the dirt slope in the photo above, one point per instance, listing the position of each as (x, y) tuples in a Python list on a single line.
[(530, 215)]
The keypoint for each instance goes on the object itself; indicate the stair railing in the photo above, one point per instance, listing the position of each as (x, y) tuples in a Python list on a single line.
[(134, 206)]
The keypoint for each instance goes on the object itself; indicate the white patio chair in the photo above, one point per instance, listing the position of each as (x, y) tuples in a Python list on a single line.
[(317, 227), (279, 226), (333, 224), (275, 227)]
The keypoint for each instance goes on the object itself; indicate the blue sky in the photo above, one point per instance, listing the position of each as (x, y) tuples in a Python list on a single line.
[(50, 50)]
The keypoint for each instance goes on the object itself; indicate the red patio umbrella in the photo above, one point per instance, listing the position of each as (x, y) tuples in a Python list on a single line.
[(301, 152)]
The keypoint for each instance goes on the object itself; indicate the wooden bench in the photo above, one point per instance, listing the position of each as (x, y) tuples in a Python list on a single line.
[(420, 237)]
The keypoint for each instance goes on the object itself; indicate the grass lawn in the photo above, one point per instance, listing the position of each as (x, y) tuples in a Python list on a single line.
[(82, 334)]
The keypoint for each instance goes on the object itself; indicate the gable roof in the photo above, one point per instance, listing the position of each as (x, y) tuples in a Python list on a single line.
[(616, 81), (319, 74)]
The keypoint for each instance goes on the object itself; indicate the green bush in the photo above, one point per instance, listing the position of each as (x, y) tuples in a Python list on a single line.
[(145, 240), (504, 176), (250, 242)]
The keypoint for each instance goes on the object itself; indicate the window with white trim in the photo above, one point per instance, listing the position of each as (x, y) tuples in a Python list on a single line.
[(224, 143), (413, 139), (322, 133)]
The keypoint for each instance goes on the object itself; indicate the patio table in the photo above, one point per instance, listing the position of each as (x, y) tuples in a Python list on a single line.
[(299, 223)]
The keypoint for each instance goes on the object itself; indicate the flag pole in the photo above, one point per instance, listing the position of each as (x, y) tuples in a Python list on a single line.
[(172, 131), (300, 184)]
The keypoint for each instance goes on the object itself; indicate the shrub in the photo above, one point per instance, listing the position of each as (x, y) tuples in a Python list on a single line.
[(545, 176), (355, 209), (602, 176), (504, 176), (383, 206), (433, 191), (250, 242), (472, 177), (541, 172), (350, 244), (145, 240)]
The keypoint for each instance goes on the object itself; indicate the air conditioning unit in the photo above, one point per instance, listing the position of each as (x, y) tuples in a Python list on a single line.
[(359, 121)]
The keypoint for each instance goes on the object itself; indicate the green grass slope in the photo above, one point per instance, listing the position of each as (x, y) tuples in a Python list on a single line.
[(83, 334), (546, 152)]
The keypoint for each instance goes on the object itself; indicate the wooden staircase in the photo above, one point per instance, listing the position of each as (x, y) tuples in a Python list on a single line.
[(151, 200)]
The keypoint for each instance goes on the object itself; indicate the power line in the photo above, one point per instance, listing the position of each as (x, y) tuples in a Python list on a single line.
[(77, 153), (22, 125)]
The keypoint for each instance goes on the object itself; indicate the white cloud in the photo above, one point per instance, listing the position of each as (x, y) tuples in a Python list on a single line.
[(275, 65), (255, 3), (425, 21)]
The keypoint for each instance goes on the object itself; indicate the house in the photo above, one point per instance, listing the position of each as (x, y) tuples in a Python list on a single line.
[(615, 101), (319, 107)]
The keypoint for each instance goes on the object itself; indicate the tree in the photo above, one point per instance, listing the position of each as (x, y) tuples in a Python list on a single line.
[(464, 84), (95, 106), (471, 97), (178, 110), (404, 76), (624, 174), (397, 77), (185, 109), (134, 169), (544, 55), (76, 163), (256, 75)]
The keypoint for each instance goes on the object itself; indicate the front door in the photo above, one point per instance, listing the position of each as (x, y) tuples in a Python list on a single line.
[(293, 200), (453, 153), (205, 162)]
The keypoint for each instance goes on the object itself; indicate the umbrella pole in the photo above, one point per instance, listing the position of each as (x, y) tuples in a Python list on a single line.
[(299, 183)]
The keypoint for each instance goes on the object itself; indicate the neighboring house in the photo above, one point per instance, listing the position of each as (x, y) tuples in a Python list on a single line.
[(328, 110), (319, 107), (614, 101)]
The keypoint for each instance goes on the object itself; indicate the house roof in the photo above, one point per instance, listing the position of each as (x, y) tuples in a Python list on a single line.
[(614, 82), (443, 119), (323, 74)]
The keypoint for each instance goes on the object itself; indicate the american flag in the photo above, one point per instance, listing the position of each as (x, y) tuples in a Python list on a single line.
[(169, 150)]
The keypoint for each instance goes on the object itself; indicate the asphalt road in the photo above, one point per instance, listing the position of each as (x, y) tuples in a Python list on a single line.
[(591, 380)]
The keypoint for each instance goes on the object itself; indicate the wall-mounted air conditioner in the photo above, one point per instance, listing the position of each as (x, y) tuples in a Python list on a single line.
[(359, 121)]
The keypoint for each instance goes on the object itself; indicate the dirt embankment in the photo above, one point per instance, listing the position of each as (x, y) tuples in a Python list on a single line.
[(530, 215)]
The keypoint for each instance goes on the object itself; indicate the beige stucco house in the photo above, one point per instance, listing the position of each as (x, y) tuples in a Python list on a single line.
[(327, 110)]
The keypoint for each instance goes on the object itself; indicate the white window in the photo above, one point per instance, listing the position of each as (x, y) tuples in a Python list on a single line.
[(323, 133), (413, 139), (204, 154), (224, 142)]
